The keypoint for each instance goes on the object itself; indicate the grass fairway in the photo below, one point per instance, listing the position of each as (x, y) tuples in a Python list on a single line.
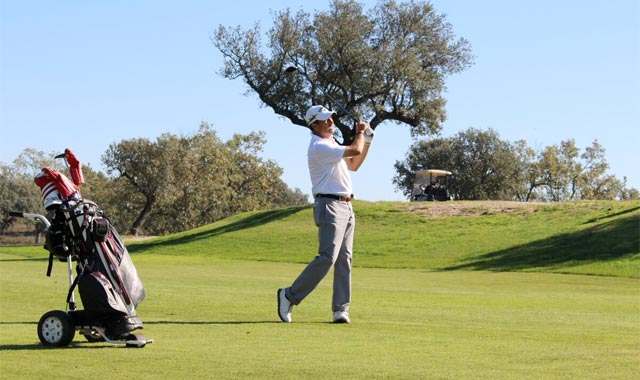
[(543, 291), (216, 319)]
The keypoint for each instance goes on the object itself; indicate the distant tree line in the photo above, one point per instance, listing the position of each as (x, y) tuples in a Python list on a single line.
[(168, 185), (177, 183), (486, 167)]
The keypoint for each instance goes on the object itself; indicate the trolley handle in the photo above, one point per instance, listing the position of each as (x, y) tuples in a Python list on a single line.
[(41, 218)]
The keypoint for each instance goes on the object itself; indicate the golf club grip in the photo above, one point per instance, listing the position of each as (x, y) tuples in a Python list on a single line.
[(17, 214)]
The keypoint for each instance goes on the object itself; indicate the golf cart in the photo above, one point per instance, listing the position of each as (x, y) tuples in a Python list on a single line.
[(431, 185)]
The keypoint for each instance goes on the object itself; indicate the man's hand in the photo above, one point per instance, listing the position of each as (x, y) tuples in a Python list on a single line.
[(356, 152), (368, 135), (361, 126)]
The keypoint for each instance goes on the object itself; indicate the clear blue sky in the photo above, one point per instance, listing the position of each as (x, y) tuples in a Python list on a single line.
[(85, 74)]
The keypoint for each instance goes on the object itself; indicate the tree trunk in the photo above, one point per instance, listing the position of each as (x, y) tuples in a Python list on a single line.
[(142, 217)]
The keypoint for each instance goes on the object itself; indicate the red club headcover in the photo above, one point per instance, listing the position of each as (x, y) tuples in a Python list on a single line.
[(65, 187), (74, 167), (50, 195)]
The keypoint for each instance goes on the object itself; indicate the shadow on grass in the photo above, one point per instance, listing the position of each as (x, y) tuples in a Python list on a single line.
[(229, 323), (21, 347), (71, 346), (103, 345), (25, 259), (250, 221), (18, 323), (210, 322), (611, 240), (609, 216)]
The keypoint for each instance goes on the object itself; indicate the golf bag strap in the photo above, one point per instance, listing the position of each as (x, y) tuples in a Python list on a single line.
[(73, 286), (50, 266)]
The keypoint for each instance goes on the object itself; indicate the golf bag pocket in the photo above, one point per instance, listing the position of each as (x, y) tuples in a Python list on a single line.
[(100, 229), (55, 241), (98, 295)]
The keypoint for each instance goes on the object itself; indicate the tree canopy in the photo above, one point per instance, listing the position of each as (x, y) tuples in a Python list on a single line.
[(180, 182), (168, 185), (389, 63)]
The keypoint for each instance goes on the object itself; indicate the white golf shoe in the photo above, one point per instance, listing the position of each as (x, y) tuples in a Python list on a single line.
[(284, 307), (341, 317)]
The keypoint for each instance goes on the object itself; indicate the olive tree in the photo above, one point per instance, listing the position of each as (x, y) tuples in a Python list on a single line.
[(387, 64), (180, 182)]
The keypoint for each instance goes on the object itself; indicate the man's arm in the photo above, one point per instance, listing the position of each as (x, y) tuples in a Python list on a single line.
[(355, 153)]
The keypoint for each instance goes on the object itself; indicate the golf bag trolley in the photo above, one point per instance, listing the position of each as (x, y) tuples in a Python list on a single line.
[(106, 279)]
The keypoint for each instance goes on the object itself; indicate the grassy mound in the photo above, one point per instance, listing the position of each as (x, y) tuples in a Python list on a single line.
[(600, 238)]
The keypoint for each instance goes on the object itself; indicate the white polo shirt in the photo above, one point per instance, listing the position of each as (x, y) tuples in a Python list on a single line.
[(327, 168)]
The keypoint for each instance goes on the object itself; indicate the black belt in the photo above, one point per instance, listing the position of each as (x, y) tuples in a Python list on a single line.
[(336, 197)]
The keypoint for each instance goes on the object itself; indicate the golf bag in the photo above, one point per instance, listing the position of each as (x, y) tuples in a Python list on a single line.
[(106, 278)]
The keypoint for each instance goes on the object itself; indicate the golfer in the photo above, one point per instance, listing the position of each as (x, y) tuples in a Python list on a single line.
[(329, 165)]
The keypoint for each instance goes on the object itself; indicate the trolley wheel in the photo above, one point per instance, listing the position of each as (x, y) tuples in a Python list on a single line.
[(56, 329), (135, 337), (93, 337)]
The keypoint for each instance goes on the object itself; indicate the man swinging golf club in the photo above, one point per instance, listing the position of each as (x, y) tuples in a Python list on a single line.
[(329, 165)]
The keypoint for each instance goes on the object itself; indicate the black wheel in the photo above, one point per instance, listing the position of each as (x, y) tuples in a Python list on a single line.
[(56, 329)]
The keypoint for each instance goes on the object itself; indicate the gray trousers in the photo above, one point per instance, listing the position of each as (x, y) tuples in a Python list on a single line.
[(336, 224)]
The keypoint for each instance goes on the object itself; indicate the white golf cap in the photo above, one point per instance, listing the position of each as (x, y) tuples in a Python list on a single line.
[(317, 113)]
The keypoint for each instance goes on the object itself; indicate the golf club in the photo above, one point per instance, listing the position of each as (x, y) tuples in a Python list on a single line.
[(291, 69)]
